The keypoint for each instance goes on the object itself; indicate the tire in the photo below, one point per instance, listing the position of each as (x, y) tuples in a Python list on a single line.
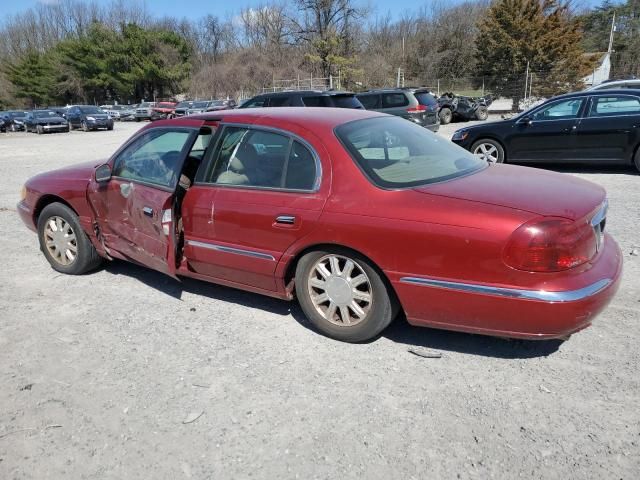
[(12, 128), (137, 119), (482, 113), (86, 257), (489, 150), (636, 158), (110, 127), (375, 314), (39, 130), (446, 115), (84, 126)]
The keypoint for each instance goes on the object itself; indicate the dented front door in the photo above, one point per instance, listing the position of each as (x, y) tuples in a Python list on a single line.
[(136, 222), (134, 209)]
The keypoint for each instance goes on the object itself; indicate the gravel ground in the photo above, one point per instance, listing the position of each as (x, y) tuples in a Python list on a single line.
[(125, 373)]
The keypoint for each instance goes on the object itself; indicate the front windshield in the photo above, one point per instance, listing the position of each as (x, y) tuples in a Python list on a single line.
[(395, 153), (17, 114), (91, 109), (45, 114), (184, 104), (217, 103), (145, 104), (200, 105)]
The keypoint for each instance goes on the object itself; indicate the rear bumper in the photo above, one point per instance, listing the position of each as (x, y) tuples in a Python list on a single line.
[(513, 312)]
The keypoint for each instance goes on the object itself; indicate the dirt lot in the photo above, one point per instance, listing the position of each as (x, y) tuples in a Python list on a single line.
[(125, 373)]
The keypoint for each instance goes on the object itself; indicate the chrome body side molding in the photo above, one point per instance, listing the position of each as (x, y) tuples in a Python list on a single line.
[(225, 249), (540, 295)]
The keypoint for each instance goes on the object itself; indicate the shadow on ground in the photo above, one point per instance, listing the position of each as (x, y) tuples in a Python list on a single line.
[(399, 332)]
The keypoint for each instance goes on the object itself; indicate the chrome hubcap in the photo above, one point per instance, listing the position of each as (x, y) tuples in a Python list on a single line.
[(60, 240), (340, 290), (487, 152)]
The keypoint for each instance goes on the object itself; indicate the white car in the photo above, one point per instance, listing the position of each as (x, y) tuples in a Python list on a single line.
[(617, 84)]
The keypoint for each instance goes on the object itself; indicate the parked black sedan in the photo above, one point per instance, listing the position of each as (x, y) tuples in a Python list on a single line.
[(16, 120), (88, 117), (593, 126), (44, 121)]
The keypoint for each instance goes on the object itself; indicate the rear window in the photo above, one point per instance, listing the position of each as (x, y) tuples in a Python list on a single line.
[(425, 98), (395, 153)]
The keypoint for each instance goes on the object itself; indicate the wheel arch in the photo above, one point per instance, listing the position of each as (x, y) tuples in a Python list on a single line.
[(46, 200), (290, 269)]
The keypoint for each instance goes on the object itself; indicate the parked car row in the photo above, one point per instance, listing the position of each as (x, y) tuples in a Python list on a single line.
[(56, 119)]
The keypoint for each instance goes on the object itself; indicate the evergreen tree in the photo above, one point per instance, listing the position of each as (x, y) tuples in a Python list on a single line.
[(32, 78), (540, 33)]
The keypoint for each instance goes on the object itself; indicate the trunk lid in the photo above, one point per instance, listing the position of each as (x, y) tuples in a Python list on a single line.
[(529, 189)]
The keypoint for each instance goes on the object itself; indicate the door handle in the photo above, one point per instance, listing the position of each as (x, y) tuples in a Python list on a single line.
[(286, 219), (148, 211)]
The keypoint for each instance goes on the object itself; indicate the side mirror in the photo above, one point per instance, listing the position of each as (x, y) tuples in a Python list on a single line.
[(525, 121), (103, 173)]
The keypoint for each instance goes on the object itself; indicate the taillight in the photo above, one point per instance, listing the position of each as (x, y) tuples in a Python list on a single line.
[(550, 245), (417, 109)]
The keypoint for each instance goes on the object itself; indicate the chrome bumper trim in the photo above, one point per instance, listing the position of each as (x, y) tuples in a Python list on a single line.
[(237, 251), (542, 295)]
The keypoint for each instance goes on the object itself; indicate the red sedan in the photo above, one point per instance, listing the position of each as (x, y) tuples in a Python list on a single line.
[(359, 215)]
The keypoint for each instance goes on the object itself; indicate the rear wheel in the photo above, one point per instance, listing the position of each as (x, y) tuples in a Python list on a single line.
[(488, 150), (482, 113), (63, 242), (343, 295), (445, 115)]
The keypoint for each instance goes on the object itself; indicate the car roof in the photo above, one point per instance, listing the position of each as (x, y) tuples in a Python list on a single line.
[(400, 89), (609, 91), (305, 93), (308, 118)]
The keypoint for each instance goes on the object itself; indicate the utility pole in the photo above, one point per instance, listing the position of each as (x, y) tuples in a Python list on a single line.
[(526, 82)]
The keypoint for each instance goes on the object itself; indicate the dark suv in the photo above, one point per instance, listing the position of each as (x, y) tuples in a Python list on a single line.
[(88, 117), (415, 104), (304, 98)]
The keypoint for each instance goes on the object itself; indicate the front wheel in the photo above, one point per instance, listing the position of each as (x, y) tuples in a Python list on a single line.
[(39, 130), (85, 127), (343, 295), (63, 242), (488, 150), (636, 158)]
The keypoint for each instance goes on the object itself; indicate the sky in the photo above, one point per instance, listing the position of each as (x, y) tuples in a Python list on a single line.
[(198, 8)]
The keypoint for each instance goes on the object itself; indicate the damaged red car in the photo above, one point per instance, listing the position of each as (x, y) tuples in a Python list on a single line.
[(358, 215)]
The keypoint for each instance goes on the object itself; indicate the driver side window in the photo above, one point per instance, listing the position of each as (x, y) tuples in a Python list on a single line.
[(565, 109), (153, 157)]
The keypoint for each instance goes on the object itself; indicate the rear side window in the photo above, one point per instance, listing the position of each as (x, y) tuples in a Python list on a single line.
[(391, 100), (279, 102), (425, 98), (256, 102), (394, 153), (369, 101), (316, 101), (346, 101), (301, 170), (259, 158), (614, 105)]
